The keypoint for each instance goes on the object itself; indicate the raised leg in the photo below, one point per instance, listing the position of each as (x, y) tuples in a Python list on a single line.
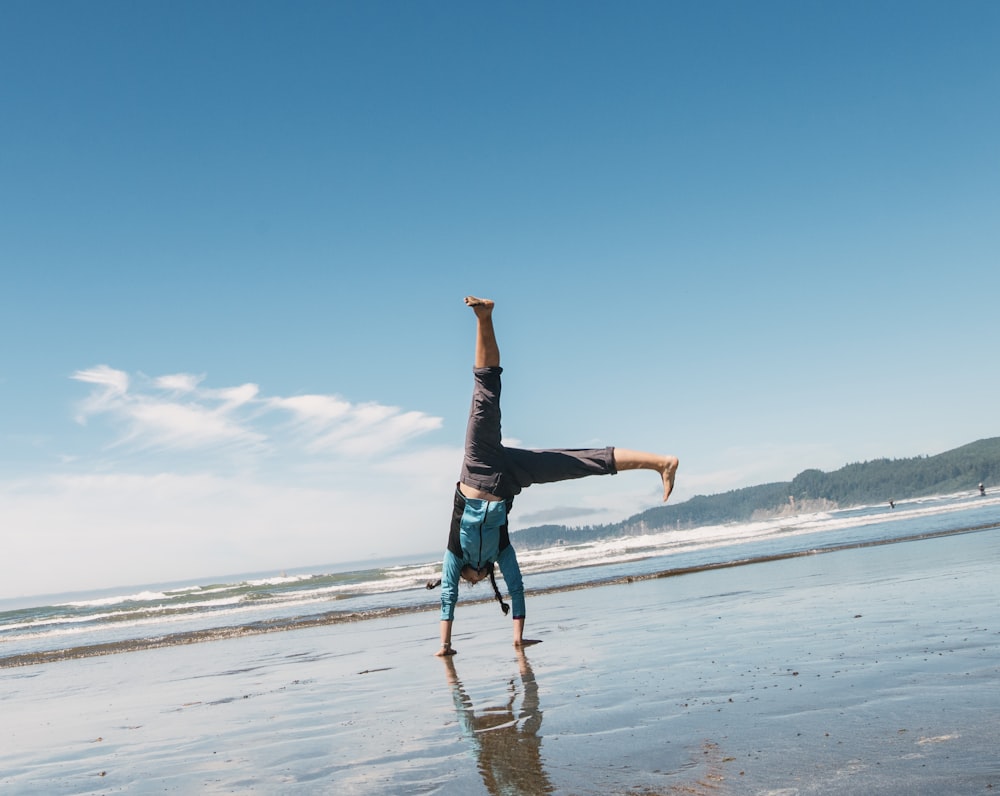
[(487, 350)]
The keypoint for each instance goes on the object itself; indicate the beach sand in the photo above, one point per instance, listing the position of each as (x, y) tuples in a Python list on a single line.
[(870, 671)]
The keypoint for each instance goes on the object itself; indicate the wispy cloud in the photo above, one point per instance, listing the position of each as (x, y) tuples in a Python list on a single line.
[(328, 423), (169, 412), (178, 412)]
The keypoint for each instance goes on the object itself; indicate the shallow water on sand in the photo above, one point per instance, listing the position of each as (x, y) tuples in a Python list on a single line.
[(864, 671)]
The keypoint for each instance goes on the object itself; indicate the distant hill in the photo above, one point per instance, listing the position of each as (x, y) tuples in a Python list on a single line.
[(858, 484)]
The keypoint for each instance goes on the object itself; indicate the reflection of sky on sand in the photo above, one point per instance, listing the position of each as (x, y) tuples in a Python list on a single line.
[(505, 739), (865, 671)]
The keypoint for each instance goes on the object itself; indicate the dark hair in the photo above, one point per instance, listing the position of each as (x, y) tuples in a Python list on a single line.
[(433, 584), (493, 580)]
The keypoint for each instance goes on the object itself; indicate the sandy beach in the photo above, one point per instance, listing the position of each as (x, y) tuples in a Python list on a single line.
[(868, 671)]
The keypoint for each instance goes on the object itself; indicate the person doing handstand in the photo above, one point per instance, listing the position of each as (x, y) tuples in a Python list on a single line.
[(492, 474)]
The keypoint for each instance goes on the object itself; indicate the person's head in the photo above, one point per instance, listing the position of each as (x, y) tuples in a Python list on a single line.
[(472, 575)]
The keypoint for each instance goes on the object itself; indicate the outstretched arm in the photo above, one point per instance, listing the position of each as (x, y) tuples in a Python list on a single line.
[(515, 588), (451, 568)]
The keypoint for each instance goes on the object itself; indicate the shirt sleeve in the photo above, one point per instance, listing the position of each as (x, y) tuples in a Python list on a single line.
[(512, 578), (451, 570)]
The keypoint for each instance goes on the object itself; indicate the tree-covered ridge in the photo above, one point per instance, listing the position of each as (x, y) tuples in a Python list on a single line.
[(896, 479), (857, 484)]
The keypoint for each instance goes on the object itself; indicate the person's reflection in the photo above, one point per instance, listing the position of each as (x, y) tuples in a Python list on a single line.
[(507, 744)]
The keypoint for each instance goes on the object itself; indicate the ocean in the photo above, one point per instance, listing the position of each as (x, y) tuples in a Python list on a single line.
[(158, 615)]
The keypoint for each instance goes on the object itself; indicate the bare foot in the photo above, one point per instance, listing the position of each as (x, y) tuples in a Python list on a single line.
[(669, 472), (482, 307), (526, 642), (666, 466)]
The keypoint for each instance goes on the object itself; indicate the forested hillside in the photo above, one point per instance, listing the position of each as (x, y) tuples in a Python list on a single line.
[(856, 484)]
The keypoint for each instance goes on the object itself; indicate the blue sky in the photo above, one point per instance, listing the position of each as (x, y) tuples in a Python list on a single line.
[(235, 236)]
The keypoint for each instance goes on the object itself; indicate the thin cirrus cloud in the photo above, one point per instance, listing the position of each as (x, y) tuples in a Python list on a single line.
[(327, 423), (175, 412)]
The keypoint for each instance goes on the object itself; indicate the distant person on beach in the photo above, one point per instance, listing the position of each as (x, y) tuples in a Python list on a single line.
[(982, 489), (492, 474)]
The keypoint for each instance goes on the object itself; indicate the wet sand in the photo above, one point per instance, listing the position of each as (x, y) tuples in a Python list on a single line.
[(868, 671)]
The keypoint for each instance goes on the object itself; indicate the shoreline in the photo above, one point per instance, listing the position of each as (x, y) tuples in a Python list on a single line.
[(871, 671), (328, 618)]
